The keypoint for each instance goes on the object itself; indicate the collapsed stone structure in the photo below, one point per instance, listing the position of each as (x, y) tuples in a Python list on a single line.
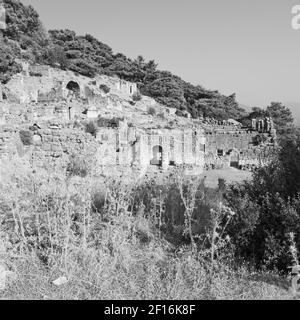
[(242, 148), (44, 113)]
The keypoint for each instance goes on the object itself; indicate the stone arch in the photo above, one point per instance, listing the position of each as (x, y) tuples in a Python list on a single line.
[(157, 155), (73, 87)]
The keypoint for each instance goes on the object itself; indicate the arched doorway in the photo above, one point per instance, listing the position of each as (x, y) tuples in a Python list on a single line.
[(234, 159), (157, 156), (74, 88)]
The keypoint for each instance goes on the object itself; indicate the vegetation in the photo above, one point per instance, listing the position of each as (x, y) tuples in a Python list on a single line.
[(152, 111), (281, 115), (268, 211), (104, 88), (26, 38), (116, 240), (113, 239), (136, 97), (77, 167), (92, 128), (26, 137)]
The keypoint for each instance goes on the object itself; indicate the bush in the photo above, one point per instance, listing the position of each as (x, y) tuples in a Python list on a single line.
[(152, 111), (104, 88), (136, 97), (77, 167), (268, 210), (26, 137), (49, 229), (161, 115), (91, 128), (8, 65)]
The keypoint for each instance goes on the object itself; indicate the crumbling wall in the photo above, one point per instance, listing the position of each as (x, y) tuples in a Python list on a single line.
[(137, 148), (59, 145), (237, 148)]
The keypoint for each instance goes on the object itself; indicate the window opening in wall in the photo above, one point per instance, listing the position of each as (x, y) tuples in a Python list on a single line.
[(70, 113), (157, 156), (220, 152), (234, 159)]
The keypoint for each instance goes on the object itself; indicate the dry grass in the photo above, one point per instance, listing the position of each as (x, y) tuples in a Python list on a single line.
[(230, 175), (50, 227)]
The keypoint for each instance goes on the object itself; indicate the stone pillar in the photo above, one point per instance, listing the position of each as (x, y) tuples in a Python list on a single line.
[(165, 143)]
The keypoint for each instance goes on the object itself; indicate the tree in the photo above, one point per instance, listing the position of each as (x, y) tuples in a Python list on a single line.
[(167, 91), (268, 209), (8, 65), (281, 115)]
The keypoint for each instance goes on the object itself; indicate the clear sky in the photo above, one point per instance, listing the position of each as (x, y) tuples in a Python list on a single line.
[(242, 46)]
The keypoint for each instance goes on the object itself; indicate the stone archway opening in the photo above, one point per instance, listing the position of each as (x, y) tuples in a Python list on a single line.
[(157, 156), (74, 88)]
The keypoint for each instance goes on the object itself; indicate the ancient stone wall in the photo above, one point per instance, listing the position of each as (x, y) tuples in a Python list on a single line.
[(121, 149), (53, 103), (143, 148), (238, 148)]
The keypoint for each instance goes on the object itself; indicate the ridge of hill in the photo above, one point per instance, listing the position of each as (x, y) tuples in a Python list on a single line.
[(26, 38)]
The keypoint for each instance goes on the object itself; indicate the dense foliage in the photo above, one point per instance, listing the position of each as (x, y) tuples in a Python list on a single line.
[(268, 210), (281, 115)]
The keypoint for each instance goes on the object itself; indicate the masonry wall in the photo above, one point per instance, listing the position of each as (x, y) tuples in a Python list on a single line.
[(123, 149), (134, 147), (236, 147)]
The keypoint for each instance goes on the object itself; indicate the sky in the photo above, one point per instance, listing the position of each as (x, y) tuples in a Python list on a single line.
[(247, 47)]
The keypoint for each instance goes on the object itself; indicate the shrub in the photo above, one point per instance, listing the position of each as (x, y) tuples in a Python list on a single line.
[(152, 111), (161, 115), (77, 167), (91, 128), (26, 137), (104, 88), (179, 113), (136, 97), (50, 229)]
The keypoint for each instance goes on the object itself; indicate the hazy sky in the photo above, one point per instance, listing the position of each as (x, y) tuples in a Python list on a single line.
[(242, 46)]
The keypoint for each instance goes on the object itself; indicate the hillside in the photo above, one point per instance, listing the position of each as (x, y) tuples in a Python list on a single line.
[(109, 190), (26, 38)]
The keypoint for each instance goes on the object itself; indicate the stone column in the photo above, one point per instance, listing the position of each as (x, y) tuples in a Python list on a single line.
[(165, 143)]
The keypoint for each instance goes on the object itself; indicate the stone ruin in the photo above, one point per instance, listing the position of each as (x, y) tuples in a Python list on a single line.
[(42, 112), (2, 18)]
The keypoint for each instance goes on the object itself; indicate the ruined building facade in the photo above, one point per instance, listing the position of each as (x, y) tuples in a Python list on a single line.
[(42, 110)]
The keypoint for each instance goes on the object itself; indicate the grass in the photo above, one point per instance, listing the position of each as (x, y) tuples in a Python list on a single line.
[(120, 247), (230, 175)]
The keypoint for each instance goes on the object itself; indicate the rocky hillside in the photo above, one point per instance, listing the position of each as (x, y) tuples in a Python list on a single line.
[(26, 38)]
